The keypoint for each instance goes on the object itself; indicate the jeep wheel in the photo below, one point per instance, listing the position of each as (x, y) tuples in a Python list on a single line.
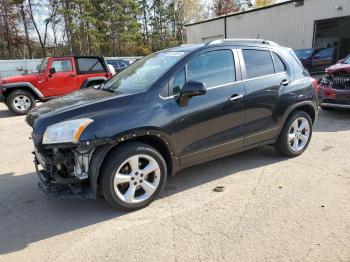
[(296, 134), (20, 102), (133, 176)]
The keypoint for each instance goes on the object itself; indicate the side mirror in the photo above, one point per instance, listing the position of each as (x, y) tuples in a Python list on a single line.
[(316, 56), (52, 71), (190, 89)]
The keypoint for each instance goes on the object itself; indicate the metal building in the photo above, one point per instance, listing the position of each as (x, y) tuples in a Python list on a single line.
[(295, 23)]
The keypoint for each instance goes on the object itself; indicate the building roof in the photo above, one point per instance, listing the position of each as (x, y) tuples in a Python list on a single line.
[(243, 12)]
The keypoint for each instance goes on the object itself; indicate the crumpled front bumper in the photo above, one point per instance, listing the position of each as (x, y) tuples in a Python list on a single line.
[(53, 185)]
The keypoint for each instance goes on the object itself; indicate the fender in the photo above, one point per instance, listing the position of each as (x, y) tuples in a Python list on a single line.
[(22, 84), (92, 79), (102, 151), (295, 106)]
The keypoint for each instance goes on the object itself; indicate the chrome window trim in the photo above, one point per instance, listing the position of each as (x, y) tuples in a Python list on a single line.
[(232, 83)]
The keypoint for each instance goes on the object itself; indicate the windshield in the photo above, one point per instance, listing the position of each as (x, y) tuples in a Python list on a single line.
[(347, 60), (304, 53), (142, 74), (43, 65)]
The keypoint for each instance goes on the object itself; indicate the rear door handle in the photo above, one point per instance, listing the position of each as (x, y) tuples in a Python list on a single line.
[(236, 97), (285, 82)]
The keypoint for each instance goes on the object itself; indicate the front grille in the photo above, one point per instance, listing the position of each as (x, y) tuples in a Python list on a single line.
[(341, 82)]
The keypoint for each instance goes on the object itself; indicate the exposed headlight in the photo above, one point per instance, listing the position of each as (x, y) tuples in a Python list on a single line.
[(66, 132)]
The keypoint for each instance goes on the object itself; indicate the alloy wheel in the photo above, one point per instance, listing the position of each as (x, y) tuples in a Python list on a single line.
[(22, 102), (299, 134), (137, 179)]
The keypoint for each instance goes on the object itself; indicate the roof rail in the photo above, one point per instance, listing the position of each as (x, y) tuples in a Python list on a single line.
[(244, 40)]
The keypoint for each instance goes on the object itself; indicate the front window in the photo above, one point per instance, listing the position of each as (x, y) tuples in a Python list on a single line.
[(142, 74), (63, 65), (214, 68)]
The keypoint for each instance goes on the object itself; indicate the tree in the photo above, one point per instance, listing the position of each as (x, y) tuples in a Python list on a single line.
[(262, 3), (224, 7), (25, 23)]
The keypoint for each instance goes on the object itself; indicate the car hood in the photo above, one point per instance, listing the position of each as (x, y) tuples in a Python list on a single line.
[(338, 68), (74, 101), (19, 78)]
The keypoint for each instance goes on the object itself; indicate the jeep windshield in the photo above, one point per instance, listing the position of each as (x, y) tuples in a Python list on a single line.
[(144, 73), (43, 65)]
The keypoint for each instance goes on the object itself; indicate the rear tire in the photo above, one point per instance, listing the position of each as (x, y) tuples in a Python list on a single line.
[(133, 176), (296, 134), (20, 102)]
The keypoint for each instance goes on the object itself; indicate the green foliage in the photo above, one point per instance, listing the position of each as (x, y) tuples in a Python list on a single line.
[(104, 27)]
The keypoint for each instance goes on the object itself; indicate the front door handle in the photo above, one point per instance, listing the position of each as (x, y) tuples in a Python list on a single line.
[(285, 82), (236, 97)]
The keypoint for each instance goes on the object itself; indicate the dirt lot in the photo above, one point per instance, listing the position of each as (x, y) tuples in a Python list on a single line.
[(273, 208)]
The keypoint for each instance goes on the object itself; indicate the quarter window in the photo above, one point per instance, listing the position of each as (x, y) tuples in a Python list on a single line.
[(213, 68), (90, 65), (279, 65), (258, 63), (178, 82), (62, 65)]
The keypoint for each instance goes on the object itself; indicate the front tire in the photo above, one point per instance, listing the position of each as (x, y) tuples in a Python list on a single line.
[(133, 176), (296, 134), (20, 102)]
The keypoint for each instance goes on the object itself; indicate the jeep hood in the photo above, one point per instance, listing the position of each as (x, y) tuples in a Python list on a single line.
[(338, 68), (19, 78), (72, 102)]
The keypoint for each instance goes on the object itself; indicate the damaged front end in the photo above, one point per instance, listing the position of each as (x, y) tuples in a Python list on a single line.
[(337, 80), (334, 89), (64, 171)]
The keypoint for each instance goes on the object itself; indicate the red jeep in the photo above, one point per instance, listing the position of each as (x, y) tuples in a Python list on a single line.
[(55, 76)]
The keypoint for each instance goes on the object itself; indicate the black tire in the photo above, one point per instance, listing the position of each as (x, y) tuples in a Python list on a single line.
[(283, 144), (114, 161), (11, 98)]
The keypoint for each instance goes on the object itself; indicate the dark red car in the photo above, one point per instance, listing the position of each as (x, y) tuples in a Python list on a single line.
[(334, 88), (56, 76)]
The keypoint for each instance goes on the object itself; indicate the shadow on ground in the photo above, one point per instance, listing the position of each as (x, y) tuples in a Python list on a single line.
[(333, 120), (27, 216), (6, 114)]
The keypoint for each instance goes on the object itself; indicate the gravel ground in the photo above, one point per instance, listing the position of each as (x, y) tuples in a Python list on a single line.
[(272, 208)]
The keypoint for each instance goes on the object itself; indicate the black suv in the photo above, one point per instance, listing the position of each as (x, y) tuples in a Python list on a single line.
[(170, 110)]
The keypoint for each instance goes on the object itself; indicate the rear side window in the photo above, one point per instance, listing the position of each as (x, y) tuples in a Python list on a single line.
[(89, 65), (258, 63), (62, 65), (279, 65), (213, 68)]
